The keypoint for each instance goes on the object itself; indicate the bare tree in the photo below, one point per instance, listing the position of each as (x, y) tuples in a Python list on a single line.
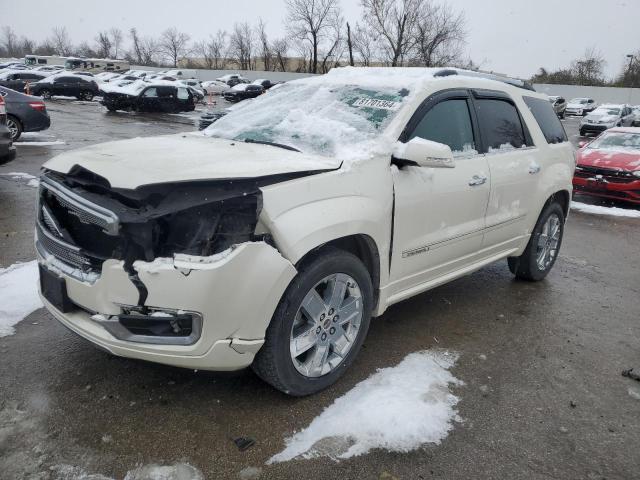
[(308, 21), (364, 44), (589, 70), (395, 22), (241, 45), (9, 42), (85, 50), (439, 35), (213, 51), (265, 46), (60, 41), (335, 45), (350, 45), (27, 46), (116, 40), (136, 45), (280, 48), (103, 43), (173, 45)]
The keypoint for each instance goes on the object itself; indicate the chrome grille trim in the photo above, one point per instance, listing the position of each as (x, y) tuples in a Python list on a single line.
[(85, 210), (64, 251)]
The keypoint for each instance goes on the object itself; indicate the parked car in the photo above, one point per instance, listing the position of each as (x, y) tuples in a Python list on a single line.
[(580, 106), (264, 83), (195, 87), (66, 84), (215, 87), (243, 91), (272, 238), (609, 166), (7, 149), (48, 68), (25, 113), (605, 117), (13, 65), (232, 79), (17, 79), (636, 116), (559, 105), (141, 96)]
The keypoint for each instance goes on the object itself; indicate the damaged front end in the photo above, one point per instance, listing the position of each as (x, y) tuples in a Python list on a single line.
[(157, 236)]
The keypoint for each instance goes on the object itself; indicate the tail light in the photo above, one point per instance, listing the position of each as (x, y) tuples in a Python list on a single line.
[(3, 108), (40, 106)]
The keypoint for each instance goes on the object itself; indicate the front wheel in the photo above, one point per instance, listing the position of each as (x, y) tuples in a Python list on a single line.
[(87, 95), (319, 325), (45, 93), (544, 245)]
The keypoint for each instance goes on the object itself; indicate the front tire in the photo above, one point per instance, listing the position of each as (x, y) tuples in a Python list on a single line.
[(45, 93), (319, 325), (87, 95), (541, 253)]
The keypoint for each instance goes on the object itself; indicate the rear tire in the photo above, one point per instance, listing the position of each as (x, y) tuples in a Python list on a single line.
[(45, 93), (304, 352), (87, 95), (15, 127), (543, 248)]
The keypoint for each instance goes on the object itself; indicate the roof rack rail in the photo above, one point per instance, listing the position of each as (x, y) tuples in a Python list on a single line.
[(516, 82)]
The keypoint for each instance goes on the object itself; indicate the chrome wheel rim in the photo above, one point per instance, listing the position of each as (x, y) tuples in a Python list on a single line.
[(326, 325), (13, 128), (548, 240)]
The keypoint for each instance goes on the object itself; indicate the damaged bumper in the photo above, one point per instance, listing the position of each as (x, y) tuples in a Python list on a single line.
[(222, 303)]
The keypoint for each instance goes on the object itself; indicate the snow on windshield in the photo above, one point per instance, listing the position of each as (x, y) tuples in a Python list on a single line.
[(606, 111), (581, 101), (617, 141), (320, 118)]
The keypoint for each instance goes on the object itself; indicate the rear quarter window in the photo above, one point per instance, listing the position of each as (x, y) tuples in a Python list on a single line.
[(547, 119)]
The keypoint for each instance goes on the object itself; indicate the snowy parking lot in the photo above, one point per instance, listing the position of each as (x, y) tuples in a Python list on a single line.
[(485, 377)]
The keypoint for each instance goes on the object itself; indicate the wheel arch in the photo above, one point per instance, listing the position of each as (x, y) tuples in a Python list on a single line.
[(363, 247), (563, 197)]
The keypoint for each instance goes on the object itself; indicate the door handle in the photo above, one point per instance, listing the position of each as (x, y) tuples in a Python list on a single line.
[(477, 180), (534, 168)]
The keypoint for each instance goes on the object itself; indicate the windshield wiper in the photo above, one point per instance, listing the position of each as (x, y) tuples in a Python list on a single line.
[(273, 144)]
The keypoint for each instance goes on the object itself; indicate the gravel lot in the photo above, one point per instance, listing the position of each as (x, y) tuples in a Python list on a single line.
[(543, 395)]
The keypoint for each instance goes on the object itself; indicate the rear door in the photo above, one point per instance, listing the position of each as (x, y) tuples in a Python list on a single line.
[(439, 212), (512, 160), (149, 100)]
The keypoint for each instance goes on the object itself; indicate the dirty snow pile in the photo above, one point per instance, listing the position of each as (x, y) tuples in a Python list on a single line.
[(32, 181), (600, 210), (18, 294), (399, 409), (179, 471)]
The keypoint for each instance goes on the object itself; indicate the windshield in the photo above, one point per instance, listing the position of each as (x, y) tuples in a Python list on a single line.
[(581, 101), (322, 119), (617, 141), (606, 111), (29, 60)]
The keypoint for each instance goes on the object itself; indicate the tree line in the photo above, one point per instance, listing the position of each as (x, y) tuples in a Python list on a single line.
[(318, 38), (589, 70)]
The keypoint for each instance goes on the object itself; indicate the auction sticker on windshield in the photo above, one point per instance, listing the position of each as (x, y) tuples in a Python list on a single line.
[(375, 103)]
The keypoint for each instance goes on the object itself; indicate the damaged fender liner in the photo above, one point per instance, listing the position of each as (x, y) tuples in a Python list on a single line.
[(199, 218)]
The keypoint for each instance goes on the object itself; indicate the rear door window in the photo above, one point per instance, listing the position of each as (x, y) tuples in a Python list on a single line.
[(448, 122), (500, 124), (547, 119)]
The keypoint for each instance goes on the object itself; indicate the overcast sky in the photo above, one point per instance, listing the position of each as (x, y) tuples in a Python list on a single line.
[(508, 36)]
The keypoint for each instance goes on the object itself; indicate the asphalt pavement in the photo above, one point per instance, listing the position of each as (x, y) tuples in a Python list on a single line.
[(543, 395)]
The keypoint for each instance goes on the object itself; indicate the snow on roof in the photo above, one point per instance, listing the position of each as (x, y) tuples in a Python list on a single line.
[(135, 87), (66, 73)]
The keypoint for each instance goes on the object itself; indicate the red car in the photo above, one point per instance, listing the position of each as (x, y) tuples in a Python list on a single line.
[(609, 166)]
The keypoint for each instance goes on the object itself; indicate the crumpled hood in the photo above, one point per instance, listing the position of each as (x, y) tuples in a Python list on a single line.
[(601, 118), (183, 157)]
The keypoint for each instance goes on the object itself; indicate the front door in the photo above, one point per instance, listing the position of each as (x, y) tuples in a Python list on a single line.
[(439, 212)]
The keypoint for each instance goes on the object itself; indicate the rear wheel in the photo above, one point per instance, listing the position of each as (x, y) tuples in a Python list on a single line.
[(319, 325), (87, 95), (544, 245), (45, 93), (15, 127)]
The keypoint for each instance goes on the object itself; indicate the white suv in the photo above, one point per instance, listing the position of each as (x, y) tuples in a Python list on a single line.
[(273, 237)]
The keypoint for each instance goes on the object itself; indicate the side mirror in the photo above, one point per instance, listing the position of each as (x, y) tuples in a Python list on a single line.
[(423, 153)]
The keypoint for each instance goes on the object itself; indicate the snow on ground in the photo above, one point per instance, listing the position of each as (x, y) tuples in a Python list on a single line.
[(399, 409), (18, 294), (600, 210), (179, 471), (39, 144), (32, 181)]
